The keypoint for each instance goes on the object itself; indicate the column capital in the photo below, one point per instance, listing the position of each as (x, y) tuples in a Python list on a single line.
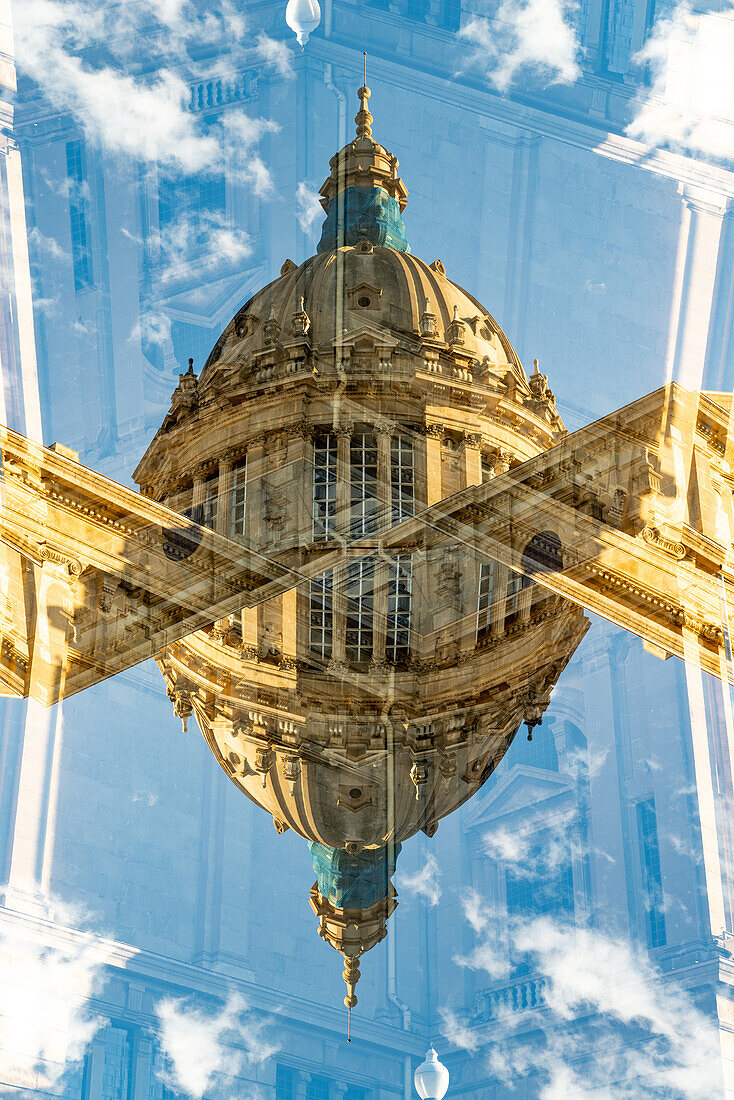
[(702, 200), (385, 428)]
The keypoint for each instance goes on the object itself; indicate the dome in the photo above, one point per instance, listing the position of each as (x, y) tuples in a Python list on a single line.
[(378, 693), (384, 289)]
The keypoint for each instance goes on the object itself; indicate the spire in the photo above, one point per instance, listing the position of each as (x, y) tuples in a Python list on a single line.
[(353, 899), (364, 197), (364, 119)]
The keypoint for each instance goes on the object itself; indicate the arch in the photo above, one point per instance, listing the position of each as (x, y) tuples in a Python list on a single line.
[(543, 554)]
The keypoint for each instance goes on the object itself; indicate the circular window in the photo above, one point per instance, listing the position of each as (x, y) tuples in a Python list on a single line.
[(355, 792), (364, 302)]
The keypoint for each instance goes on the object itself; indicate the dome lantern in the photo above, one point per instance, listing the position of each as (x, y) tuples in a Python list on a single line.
[(371, 196), (431, 1078)]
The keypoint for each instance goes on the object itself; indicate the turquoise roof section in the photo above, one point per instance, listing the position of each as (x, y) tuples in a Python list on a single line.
[(365, 212), (353, 881)]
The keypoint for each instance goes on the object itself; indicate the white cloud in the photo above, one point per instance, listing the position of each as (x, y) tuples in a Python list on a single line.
[(152, 327), (45, 1024), (206, 1050), (642, 1036), (425, 882), (276, 53), (690, 105), (457, 1033), (147, 119), (46, 246), (308, 206), (534, 35)]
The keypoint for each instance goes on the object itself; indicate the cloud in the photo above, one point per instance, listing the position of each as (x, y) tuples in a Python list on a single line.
[(206, 238), (46, 246), (152, 328), (642, 1033), (206, 1050), (457, 1033), (144, 118), (308, 206), (45, 1022), (689, 106), (534, 35), (425, 882), (277, 54)]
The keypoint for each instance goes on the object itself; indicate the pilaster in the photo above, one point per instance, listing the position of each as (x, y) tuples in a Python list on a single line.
[(696, 278), (224, 489)]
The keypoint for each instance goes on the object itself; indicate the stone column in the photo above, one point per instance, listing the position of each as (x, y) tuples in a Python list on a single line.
[(471, 448), (142, 1059), (697, 277), (499, 599), (521, 224), (302, 1082), (343, 477), (254, 524), (95, 1065), (434, 435), (384, 434), (379, 617), (300, 463), (197, 498), (20, 404), (31, 828), (339, 629), (224, 489)]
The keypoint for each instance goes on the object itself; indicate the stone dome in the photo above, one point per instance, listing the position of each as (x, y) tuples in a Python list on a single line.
[(395, 292)]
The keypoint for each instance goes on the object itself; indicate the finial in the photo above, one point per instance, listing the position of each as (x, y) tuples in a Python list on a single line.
[(536, 364), (191, 367), (351, 977), (363, 117)]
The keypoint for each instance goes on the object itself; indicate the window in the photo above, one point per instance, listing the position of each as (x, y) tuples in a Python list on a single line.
[(403, 495), (397, 638), (238, 499), (318, 1089), (452, 15), (546, 889), (484, 599), (211, 501), (543, 554), (417, 9), (353, 1093), (284, 1083), (188, 204), (538, 753), (324, 487), (647, 833), (321, 615), (514, 583), (363, 504), (79, 215), (360, 605), (117, 1065)]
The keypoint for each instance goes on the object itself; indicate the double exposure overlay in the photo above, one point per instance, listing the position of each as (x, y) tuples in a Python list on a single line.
[(366, 655)]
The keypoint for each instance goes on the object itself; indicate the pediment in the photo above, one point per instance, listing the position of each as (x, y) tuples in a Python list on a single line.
[(375, 335), (520, 792), (364, 296)]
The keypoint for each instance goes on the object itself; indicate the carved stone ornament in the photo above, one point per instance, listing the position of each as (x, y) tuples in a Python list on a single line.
[(48, 553), (652, 537)]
